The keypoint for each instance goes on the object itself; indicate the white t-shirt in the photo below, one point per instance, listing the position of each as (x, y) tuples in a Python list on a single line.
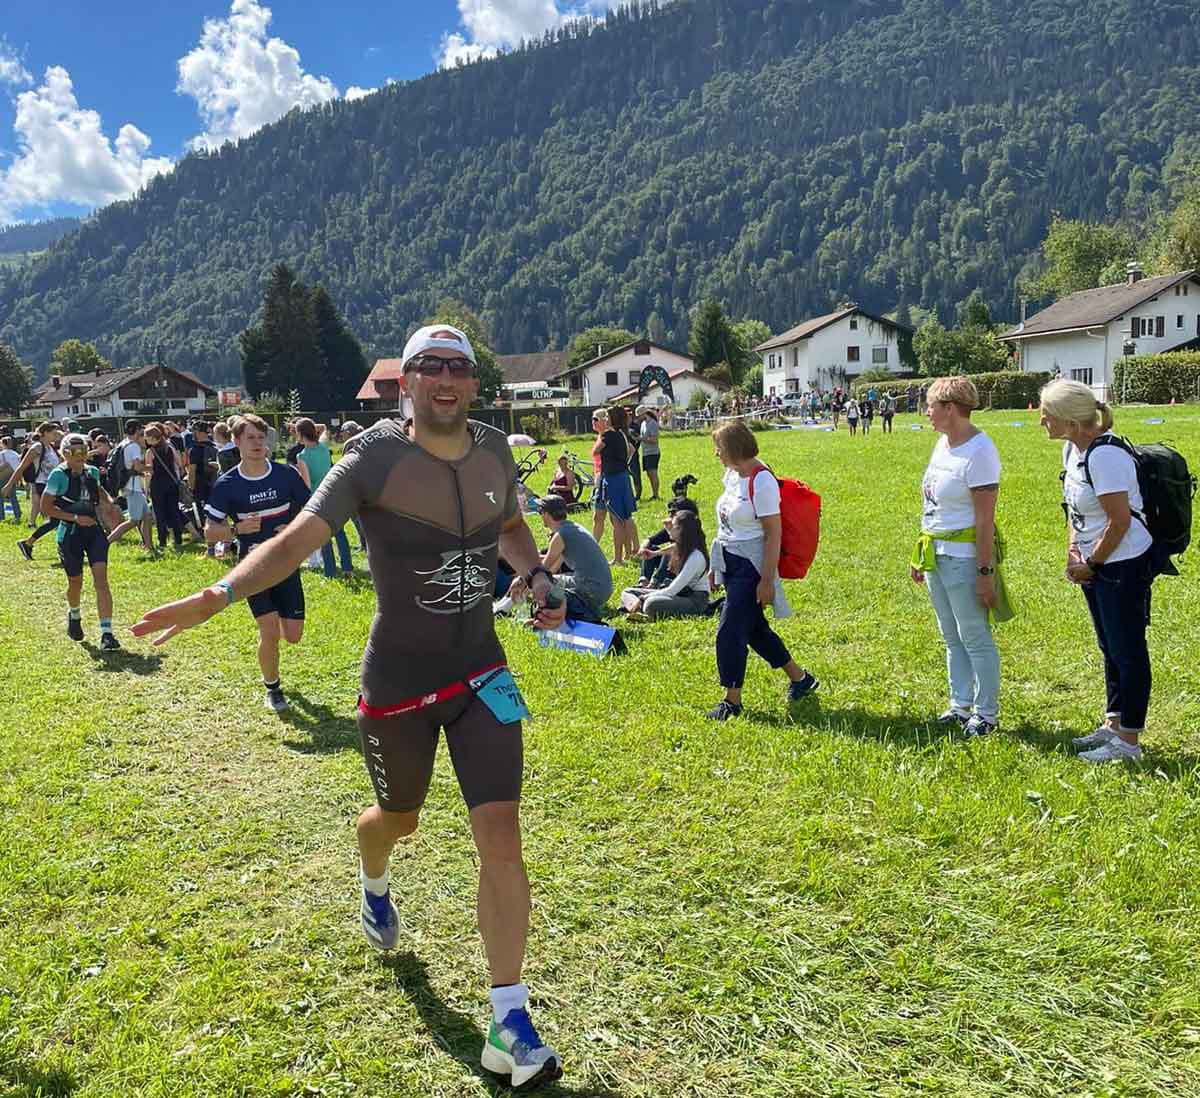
[(949, 477), (133, 452), (738, 518), (1113, 470), (10, 458), (694, 573)]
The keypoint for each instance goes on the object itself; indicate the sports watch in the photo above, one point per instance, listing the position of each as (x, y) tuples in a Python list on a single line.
[(986, 570)]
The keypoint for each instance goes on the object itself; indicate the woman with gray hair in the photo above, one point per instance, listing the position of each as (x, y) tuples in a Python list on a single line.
[(958, 553), (1110, 557)]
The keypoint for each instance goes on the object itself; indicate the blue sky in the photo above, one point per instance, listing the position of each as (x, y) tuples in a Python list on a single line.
[(97, 98)]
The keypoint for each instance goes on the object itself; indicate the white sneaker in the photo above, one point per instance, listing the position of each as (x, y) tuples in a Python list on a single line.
[(1116, 750), (1094, 739)]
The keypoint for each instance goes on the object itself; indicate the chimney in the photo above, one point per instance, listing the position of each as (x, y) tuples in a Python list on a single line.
[(1133, 271), (56, 380)]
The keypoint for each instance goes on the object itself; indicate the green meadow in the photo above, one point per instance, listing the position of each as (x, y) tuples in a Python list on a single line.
[(852, 903)]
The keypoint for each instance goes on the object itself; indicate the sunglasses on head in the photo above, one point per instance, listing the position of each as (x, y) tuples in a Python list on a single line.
[(431, 366)]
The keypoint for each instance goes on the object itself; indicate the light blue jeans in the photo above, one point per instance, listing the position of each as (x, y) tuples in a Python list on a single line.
[(972, 661)]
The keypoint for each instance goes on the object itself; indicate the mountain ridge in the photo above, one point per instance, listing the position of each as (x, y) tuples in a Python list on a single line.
[(779, 156)]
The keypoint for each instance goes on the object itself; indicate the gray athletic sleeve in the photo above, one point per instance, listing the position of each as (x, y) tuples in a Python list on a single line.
[(341, 494)]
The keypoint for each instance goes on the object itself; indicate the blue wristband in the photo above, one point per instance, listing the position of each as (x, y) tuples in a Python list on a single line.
[(227, 587)]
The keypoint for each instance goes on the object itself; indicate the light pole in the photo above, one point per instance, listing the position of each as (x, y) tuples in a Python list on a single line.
[(1127, 348)]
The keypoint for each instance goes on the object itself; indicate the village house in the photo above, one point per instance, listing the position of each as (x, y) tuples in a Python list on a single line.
[(684, 383), (604, 378), (831, 350), (111, 394), (1085, 333), (380, 389)]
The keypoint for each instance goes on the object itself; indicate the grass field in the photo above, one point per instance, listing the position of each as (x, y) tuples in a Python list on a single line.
[(852, 905)]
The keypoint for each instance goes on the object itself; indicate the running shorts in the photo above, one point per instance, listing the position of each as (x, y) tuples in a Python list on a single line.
[(286, 599), (650, 462), (400, 750), (80, 542), (138, 506)]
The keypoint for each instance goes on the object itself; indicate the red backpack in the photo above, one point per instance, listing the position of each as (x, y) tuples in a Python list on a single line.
[(800, 517)]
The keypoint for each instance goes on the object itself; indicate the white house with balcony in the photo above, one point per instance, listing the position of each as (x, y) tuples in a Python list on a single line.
[(1084, 334), (153, 389), (607, 376), (831, 350)]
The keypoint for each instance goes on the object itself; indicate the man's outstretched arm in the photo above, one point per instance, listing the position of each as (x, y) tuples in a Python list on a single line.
[(265, 566)]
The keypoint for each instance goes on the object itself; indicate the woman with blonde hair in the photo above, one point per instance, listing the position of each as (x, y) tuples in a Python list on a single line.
[(957, 554), (745, 560), (1110, 557), (599, 510)]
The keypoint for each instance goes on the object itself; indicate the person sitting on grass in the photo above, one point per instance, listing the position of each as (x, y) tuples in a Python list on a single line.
[(655, 551), (589, 584), (74, 496), (687, 593), (563, 484)]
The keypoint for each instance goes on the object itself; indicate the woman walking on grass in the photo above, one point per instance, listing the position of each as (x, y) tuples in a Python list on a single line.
[(1110, 557), (958, 553), (745, 560), (852, 416)]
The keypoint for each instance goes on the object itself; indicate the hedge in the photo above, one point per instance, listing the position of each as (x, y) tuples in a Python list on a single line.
[(1003, 389), (1157, 379)]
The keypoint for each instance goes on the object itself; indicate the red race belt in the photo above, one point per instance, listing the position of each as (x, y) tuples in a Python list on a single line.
[(424, 701)]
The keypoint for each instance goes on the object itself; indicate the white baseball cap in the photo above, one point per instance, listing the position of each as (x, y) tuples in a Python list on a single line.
[(433, 337)]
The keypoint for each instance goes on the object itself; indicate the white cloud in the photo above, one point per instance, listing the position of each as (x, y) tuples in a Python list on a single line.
[(12, 71), (64, 156), (355, 92), (242, 80), (489, 26)]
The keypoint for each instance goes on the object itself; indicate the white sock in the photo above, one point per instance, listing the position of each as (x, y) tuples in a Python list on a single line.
[(509, 997), (376, 885)]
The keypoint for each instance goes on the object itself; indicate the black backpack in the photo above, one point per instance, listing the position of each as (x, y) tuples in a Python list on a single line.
[(1167, 489), (118, 471)]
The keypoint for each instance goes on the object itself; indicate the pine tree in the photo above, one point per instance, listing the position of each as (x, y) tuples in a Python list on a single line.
[(15, 381), (712, 341), (345, 363)]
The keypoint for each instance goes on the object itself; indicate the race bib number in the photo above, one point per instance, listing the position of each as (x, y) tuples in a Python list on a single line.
[(499, 692)]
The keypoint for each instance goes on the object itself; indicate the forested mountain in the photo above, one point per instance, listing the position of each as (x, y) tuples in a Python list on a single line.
[(779, 155), (35, 236)]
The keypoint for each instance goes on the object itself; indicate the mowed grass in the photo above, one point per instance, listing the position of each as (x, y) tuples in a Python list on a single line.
[(851, 904)]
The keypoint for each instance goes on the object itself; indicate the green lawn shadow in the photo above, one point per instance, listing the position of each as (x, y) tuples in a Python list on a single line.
[(31, 1080), (123, 660), (459, 1036), (328, 731), (924, 732)]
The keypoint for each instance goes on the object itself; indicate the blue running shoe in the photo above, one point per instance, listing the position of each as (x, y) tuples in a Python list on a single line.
[(380, 921), (513, 1048), (801, 688)]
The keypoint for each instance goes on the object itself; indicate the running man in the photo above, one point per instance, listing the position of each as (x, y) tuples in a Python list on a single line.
[(260, 497), (438, 508), (74, 496)]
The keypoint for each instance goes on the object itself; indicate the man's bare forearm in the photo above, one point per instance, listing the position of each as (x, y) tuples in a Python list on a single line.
[(276, 559)]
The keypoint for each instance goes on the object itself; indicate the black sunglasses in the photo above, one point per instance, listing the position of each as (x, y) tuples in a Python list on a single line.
[(431, 366)]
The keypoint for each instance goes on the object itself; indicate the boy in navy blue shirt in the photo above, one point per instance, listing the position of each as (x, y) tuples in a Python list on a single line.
[(259, 498)]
